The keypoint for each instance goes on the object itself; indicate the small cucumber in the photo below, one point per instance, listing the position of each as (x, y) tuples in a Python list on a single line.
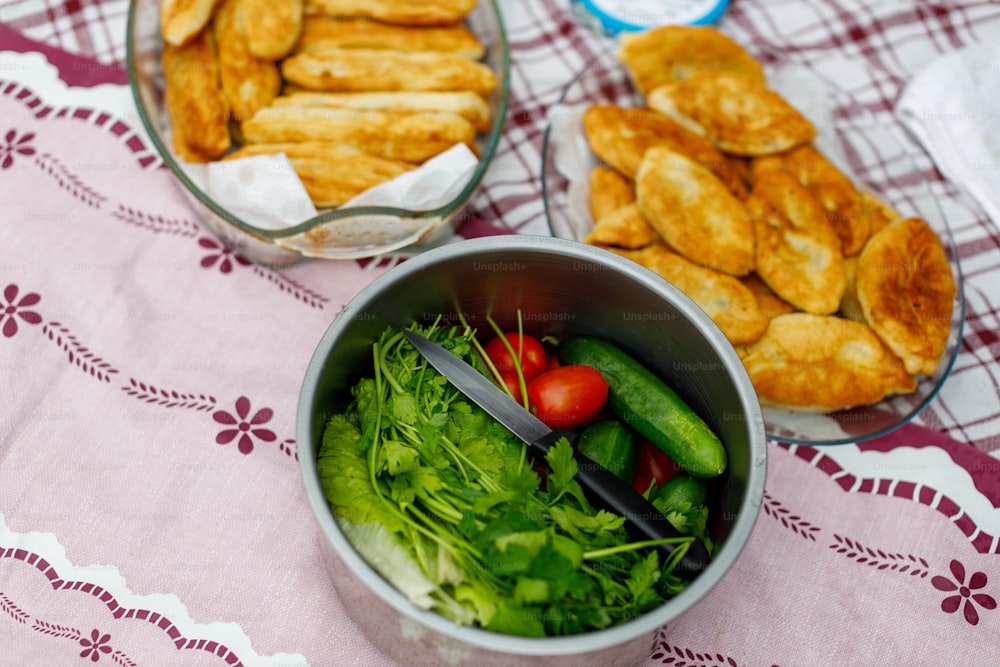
[(611, 444), (681, 488), (647, 404)]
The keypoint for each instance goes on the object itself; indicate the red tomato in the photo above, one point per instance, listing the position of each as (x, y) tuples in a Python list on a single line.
[(542, 470), (568, 396), (532, 355), (652, 463), (510, 379)]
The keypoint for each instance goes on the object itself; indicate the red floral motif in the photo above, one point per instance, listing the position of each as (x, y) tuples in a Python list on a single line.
[(244, 428), (11, 306), (12, 145), (964, 593), (95, 646), (222, 254)]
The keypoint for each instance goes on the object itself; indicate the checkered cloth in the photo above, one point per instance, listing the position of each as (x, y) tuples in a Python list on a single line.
[(92, 28)]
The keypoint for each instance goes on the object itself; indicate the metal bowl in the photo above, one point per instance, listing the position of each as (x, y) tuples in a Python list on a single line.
[(560, 286)]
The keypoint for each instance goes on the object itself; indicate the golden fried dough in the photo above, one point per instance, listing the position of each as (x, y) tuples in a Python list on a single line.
[(822, 363), (360, 70), (770, 303), (320, 33), (621, 136), (414, 137), (468, 105), (624, 228), (800, 268), (411, 12), (249, 82), (724, 298), (694, 212), (798, 253), (197, 106), (671, 52), (181, 20), (906, 291), (609, 191), (832, 187), (850, 307), (331, 173), (878, 212), (803, 209), (274, 27), (738, 114)]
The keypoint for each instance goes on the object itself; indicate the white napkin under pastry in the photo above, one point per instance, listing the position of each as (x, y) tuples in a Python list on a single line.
[(952, 107)]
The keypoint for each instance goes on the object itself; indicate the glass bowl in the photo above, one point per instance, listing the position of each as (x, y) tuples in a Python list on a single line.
[(875, 151), (342, 233)]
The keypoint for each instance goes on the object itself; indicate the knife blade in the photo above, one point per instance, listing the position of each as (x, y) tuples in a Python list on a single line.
[(604, 489)]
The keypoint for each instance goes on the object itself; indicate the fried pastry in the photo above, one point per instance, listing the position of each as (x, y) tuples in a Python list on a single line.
[(799, 268), (624, 228), (197, 106), (906, 292), (468, 105), (181, 20), (724, 298), (345, 70), (837, 193), (410, 12), (694, 212), (671, 52), (275, 26), (770, 303), (321, 33), (411, 137), (797, 251), (738, 114), (609, 191), (331, 173), (621, 136), (822, 363), (850, 307), (249, 82), (878, 212)]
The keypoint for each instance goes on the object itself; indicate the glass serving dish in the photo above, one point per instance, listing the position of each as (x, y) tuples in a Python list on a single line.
[(875, 151), (342, 233)]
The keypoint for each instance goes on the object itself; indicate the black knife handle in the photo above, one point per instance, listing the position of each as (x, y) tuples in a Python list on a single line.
[(644, 521)]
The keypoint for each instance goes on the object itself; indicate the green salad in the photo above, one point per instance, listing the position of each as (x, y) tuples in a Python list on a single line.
[(448, 506)]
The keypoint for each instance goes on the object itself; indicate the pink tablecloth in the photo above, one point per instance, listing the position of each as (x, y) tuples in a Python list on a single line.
[(151, 511)]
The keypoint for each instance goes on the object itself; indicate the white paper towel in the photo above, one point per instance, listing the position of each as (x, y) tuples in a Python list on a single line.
[(952, 107)]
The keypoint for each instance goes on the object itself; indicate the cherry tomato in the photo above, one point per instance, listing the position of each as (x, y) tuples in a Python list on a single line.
[(568, 396), (653, 463), (542, 470), (510, 379), (532, 355)]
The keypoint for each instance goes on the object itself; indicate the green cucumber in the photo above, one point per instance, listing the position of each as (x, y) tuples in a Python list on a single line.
[(679, 489), (647, 404), (611, 444)]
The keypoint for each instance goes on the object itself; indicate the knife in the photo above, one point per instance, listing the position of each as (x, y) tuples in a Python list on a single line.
[(605, 490)]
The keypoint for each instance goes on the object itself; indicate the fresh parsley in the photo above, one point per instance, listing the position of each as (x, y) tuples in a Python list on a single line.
[(444, 502)]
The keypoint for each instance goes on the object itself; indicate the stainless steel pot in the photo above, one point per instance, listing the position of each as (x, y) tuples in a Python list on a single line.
[(559, 286)]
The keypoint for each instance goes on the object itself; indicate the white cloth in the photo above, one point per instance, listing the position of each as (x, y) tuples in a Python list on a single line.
[(952, 106)]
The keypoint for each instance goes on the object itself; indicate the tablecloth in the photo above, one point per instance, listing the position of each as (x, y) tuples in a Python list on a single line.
[(151, 508)]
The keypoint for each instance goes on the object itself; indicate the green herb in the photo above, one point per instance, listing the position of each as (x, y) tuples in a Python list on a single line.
[(442, 500)]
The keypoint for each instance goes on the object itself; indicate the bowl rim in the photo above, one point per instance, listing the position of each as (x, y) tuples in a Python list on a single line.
[(941, 227), (276, 236), (748, 511)]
